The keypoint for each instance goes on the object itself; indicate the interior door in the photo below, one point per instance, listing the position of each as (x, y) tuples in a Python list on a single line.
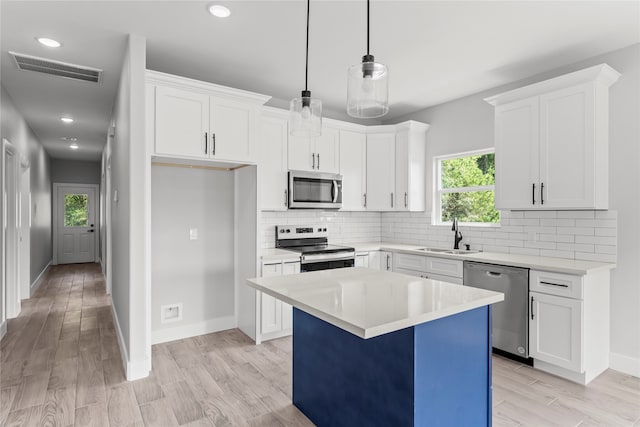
[(76, 224)]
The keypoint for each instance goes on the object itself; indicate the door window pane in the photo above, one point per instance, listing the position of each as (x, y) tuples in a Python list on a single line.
[(76, 210)]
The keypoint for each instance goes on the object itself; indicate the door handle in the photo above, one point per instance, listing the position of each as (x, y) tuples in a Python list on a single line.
[(531, 308), (91, 231), (213, 149), (318, 160), (206, 143), (334, 188), (388, 259), (365, 199), (542, 193), (533, 193), (285, 198), (406, 199), (494, 274), (313, 156), (391, 199)]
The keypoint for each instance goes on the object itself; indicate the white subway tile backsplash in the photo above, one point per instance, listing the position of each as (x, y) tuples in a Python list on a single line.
[(540, 245), (566, 238), (540, 214), (595, 257), (576, 247), (602, 240), (557, 254), (611, 232), (576, 214), (524, 251), (586, 231), (525, 221), (563, 222), (606, 249)]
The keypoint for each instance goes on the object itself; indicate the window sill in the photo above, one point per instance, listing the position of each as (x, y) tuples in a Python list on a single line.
[(468, 224)]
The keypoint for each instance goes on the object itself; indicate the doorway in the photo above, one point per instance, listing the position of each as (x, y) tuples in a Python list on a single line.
[(10, 218), (75, 215)]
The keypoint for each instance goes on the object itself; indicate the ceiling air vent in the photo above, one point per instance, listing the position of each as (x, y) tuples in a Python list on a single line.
[(57, 68)]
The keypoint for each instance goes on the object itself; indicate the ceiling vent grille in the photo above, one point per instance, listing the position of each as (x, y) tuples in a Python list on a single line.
[(57, 68)]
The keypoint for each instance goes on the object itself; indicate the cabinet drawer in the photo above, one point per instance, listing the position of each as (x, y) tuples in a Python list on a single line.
[(411, 262), (444, 266), (564, 285)]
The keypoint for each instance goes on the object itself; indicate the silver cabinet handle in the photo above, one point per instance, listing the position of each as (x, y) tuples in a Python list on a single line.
[(562, 285), (213, 150), (388, 260), (206, 143), (318, 160), (285, 198), (365, 199), (391, 199), (542, 193), (313, 155), (406, 199)]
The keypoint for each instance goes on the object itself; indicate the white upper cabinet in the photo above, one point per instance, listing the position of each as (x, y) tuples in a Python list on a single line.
[(551, 142), (381, 153), (201, 120), (272, 160), (353, 168), (182, 122), (316, 154), (410, 173)]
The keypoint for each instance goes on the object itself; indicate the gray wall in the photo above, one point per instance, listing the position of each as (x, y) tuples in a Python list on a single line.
[(197, 273), (128, 232), (17, 131), (467, 124), (75, 171)]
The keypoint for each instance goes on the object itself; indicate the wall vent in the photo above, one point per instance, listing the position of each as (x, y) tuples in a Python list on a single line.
[(57, 68)]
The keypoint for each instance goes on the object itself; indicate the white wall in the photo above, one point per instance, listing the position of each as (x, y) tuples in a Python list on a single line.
[(129, 171), (75, 171), (199, 274), (16, 130), (467, 124)]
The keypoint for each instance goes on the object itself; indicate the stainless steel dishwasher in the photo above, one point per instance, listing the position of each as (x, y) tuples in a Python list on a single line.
[(510, 317)]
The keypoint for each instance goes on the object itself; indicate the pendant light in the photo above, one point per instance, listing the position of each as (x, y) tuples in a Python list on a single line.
[(305, 113), (368, 86)]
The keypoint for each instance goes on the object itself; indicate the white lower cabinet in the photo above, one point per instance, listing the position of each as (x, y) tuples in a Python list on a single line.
[(569, 323), (362, 260), (276, 319), (386, 261), (427, 267)]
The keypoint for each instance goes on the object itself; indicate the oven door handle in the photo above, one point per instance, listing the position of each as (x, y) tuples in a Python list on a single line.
[(308, 259), (334, 191)]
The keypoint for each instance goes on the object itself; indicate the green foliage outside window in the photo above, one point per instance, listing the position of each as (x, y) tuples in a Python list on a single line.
[(464, 200), (76, 210)]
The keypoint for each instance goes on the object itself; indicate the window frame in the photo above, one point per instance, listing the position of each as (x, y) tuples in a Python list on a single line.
[(438, 191)]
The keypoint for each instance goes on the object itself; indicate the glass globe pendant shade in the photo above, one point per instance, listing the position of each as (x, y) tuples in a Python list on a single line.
[(305, 116), (368, 89)]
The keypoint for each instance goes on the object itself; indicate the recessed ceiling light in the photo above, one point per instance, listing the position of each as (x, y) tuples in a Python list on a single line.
[(74, 146), (66, 119), (66, 138), (49, 42), (218, 10)]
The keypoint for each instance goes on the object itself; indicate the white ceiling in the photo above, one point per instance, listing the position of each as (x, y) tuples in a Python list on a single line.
[(436, 51)]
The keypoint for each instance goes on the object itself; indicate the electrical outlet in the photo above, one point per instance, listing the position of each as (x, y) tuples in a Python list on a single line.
[(170, 313), (193, 234)]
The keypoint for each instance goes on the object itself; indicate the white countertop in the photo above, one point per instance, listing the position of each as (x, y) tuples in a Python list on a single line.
[(558, 265), (369, 303), (278, 255)]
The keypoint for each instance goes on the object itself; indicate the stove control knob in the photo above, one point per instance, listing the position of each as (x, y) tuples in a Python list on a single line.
[(324, 229), (288, 230), (282, 230), (319, 230)]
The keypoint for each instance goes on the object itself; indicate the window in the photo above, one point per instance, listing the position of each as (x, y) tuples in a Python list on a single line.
[(76, 210), (465, 188)]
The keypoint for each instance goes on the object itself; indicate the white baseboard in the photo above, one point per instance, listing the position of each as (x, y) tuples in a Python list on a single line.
[(36, 283), (3, 329), (623, 363), (208, 326), (134, 370)]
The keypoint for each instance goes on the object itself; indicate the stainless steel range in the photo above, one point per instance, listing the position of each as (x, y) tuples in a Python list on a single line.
[(315, 251)]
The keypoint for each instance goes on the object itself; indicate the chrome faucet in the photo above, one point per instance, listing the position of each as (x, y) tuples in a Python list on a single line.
[(457, 235)]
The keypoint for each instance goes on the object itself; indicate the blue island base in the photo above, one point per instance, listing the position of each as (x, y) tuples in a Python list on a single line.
[(433, 374)]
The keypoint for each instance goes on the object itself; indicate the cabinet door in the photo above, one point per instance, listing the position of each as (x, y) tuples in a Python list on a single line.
[(353, 168), (362, 260), (231, 129), (181, 122), (567, 148), (401, 192), (327, 149), (555, 330), (374, 260), (380, 171), (287, 310), (517, 159), (271, 308), (300, 154), (273, 163)]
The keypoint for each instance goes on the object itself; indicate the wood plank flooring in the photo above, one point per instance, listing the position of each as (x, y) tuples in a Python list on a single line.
[(60, 366)]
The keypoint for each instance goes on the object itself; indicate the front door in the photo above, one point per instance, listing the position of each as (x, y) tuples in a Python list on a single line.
[(76, 224)]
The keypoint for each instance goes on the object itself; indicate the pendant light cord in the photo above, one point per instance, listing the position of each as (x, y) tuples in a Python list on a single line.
[(367, 27), (306, 65)]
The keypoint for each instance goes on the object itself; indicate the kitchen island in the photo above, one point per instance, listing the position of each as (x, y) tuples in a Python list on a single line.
[(378, 348)]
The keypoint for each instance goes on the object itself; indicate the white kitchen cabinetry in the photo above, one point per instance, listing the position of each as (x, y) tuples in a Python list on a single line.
[(319, 154), (362, 259), (275, 316), (551, 141), (381, 152), (410, 171), (353, 168), (201, 120), (435, 268), (569, 323), (272, 160)]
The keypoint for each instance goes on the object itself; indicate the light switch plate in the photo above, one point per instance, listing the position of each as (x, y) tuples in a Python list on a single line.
[(193, 234)]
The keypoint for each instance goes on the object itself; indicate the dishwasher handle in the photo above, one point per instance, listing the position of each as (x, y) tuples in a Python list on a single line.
[(493, 273)]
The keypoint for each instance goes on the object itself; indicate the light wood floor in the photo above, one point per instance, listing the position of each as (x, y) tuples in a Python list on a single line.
[(60, 366)]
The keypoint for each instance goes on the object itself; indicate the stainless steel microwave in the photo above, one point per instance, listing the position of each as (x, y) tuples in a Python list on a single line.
[(315, 190)]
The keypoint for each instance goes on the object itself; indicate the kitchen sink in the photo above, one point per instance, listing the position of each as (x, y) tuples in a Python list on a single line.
[(448, 251)]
